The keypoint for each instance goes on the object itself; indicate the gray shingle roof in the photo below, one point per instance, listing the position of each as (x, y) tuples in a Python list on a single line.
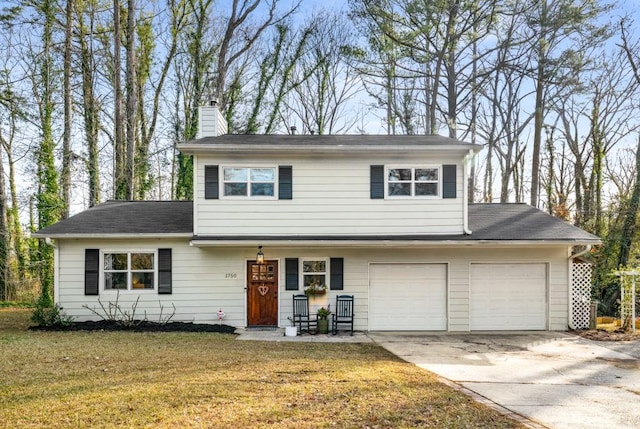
[(127, 217), (520, 222), (488, 222)]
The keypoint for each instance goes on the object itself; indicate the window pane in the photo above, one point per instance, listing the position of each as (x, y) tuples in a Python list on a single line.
[(142, 261), (426, 174), (263, 175), (396, 174), (426, 189), (115, 281), (235, 189), (115, 261), (142, 280), (314, 280), (396, 189), (235, 174), (265, 189), (314, 266)]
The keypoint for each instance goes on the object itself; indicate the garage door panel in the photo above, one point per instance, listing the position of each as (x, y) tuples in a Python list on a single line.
[(508, 297), (408, 297)]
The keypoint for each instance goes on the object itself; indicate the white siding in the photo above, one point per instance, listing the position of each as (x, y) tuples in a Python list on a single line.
[(200, 286), (211, 123), (331, 196)]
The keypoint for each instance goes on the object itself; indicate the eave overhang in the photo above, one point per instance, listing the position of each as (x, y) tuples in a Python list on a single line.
[(111, 236), (426, 241), (203, 148)]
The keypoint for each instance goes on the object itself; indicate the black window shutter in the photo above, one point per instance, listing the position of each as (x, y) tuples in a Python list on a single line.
[(164, 271), (285, 182), (449, 181), (337, 269), (211, 182), (291, 276), (91, 271), (377, 182)]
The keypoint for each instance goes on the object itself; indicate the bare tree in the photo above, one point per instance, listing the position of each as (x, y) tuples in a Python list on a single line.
[(327, 82)]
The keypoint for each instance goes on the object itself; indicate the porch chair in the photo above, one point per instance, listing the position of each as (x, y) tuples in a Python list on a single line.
[(343, 313), (301, 316)]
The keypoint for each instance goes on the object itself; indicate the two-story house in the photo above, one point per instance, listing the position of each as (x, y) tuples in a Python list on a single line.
[(382, 218)]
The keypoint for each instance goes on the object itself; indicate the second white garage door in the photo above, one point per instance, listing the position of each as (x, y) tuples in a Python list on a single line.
[(408, 297), (508, 297)]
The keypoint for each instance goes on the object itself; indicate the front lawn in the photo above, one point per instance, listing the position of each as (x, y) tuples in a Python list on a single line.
[(205, 380)]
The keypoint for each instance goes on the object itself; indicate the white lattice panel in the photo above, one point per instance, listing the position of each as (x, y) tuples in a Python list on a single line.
[(580, 295), (627, 299)]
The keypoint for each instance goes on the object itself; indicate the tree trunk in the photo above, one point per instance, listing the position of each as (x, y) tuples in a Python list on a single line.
[(132, 105), (537, 133), (68, 106), (48, 202), (4, 236), (120, 183), (91, 110)]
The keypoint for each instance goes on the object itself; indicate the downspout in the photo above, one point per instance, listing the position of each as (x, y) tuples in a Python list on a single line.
[(587, 250), (465, 192), (56, 269)]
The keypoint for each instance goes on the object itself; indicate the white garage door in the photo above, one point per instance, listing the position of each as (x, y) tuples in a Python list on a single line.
[(508, 297), (408, 297)]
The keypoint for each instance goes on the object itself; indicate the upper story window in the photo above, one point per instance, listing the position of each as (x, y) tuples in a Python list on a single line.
[(249, 182), (129, 270), (413, 182)]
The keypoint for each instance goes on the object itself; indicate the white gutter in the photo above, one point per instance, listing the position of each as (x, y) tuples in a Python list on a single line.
[(262, 148), (587, 250), (112, 236), (465, 192), (380, 243)]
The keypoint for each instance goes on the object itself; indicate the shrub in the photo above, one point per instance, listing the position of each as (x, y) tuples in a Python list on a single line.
[(50, 316)]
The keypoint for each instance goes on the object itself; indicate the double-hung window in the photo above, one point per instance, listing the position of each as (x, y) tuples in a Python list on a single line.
[(249, 182), (314, 275), (129, 270), (413, 182)]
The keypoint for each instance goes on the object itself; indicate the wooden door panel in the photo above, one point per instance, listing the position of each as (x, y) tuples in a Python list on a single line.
[(262, 293)]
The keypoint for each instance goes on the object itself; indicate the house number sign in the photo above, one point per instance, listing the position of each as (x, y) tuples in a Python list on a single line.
[(231, 275)]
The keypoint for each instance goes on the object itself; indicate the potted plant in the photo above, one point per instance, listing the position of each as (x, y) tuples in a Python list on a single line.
[(291, 331), (323, 319)]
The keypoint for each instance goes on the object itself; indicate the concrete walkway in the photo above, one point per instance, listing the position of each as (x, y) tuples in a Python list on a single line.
[(558, 380), (278, 335)]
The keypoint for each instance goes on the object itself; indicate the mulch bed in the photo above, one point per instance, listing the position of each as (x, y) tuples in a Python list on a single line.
[(602, 335), (139, 326)]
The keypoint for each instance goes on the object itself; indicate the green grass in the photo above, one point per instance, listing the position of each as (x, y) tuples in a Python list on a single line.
[(13, 304), (184, 380)]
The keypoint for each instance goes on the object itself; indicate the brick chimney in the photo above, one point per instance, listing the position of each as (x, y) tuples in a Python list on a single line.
[(211, 123)]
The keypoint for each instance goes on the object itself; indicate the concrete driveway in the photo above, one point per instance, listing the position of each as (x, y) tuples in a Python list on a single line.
[(556, 380)]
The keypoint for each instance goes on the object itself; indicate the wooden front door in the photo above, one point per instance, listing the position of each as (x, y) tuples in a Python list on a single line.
[(262, 293)]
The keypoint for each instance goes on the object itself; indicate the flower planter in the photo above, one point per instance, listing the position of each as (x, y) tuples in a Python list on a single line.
[(290, 331), (323, 326)]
